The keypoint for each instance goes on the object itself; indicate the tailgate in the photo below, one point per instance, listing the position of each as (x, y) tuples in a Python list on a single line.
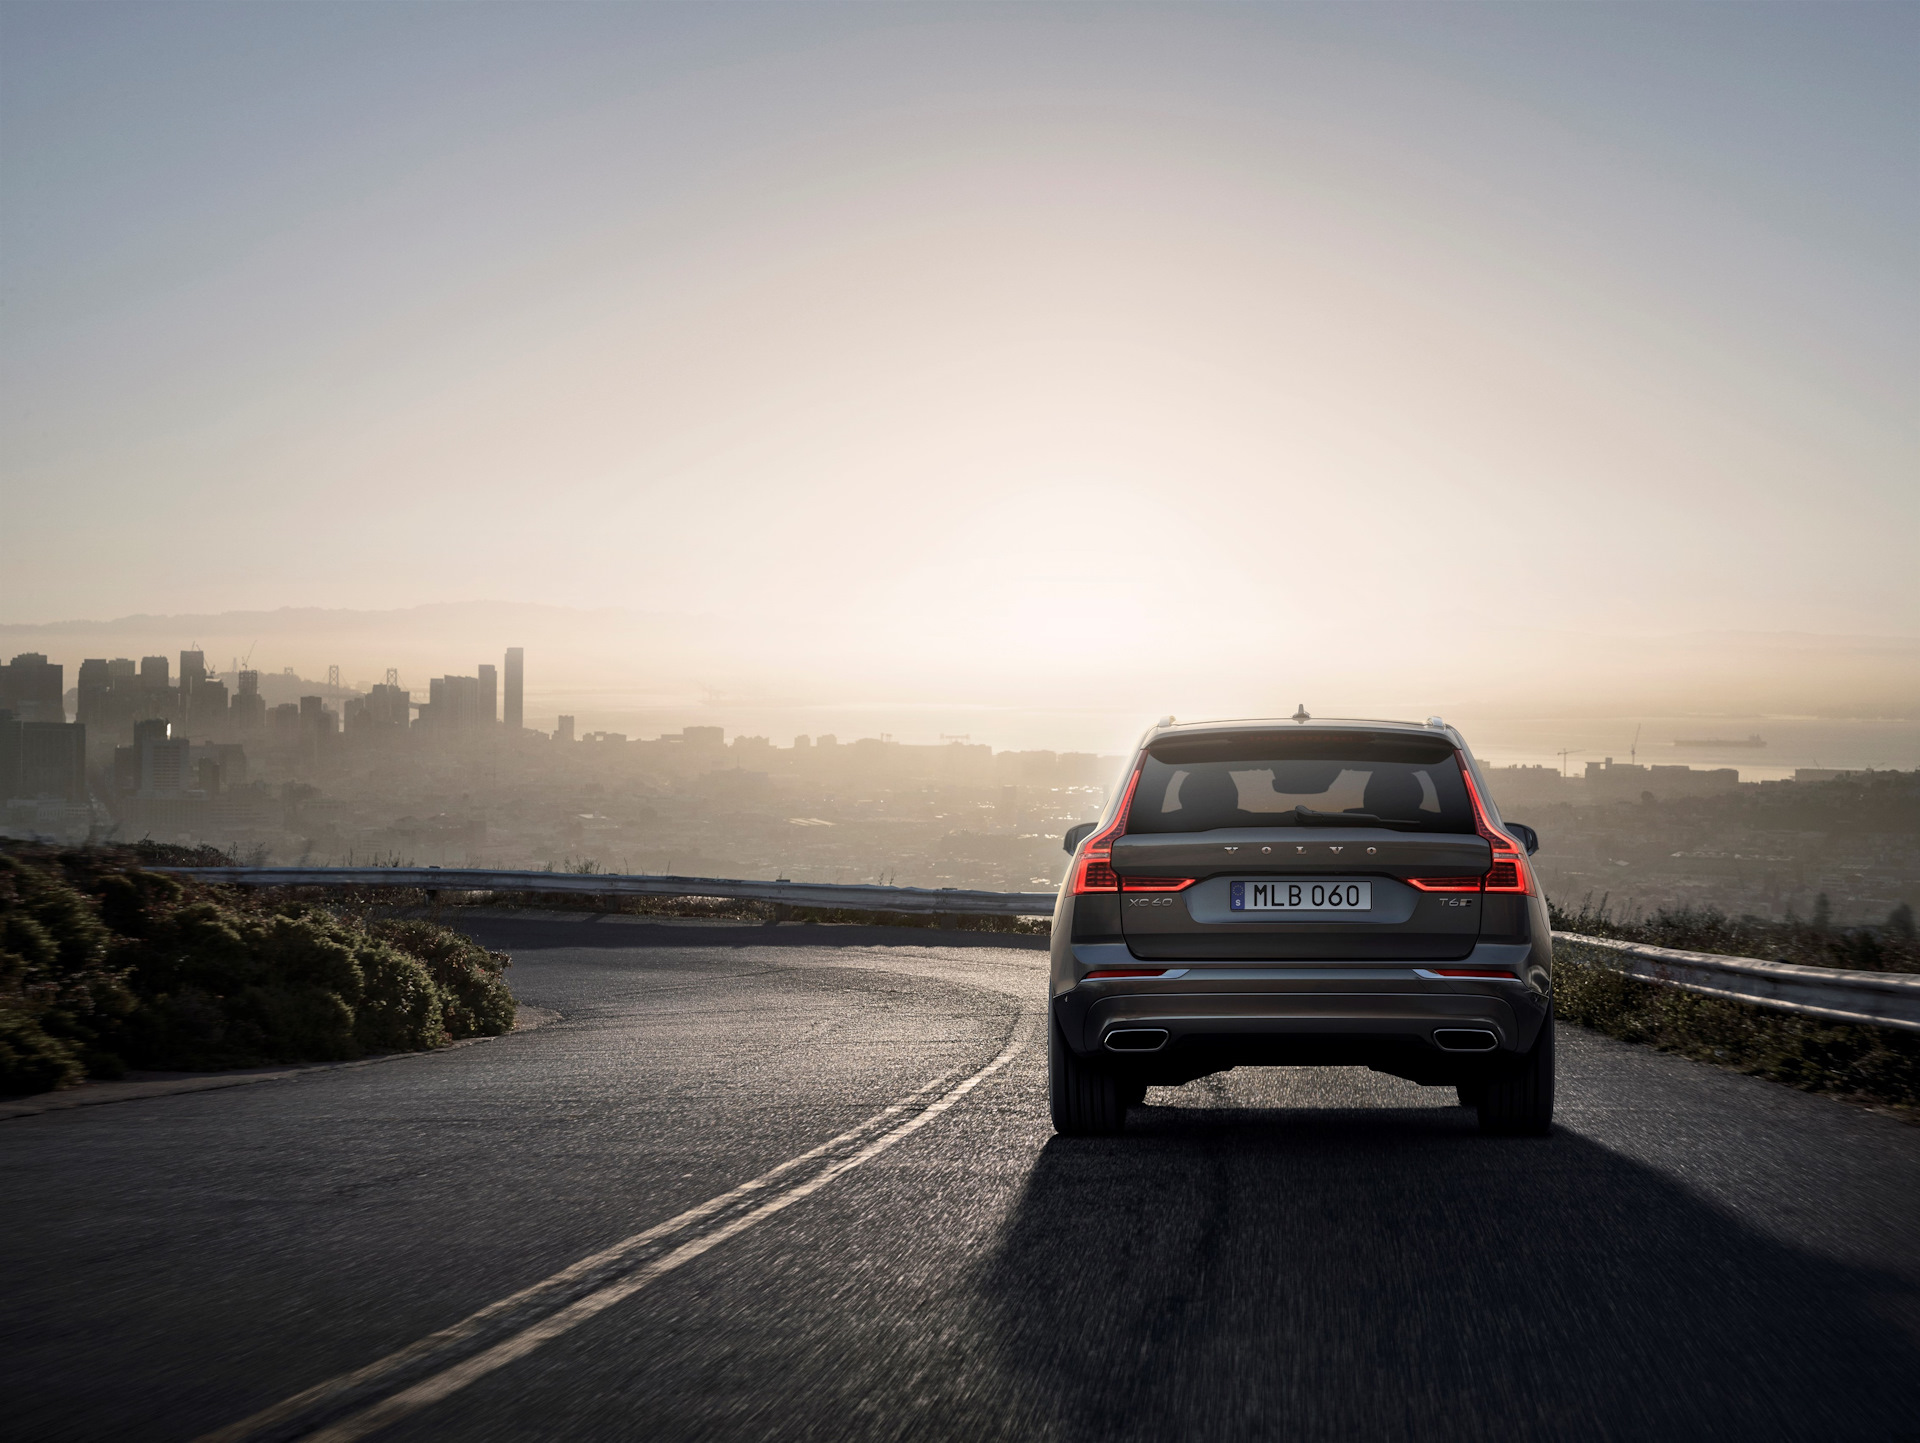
[(1332, 893)]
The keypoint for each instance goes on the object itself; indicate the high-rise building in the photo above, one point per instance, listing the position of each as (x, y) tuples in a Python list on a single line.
[(488, 696), (153, 673), (316, 719), (454, 704), (157, 765), (516, 688), (389, 708), (30, 688), (564, 732), (42, 759), (248, 711), (92, 684), (228, 761), (207, 709), (193, 671)]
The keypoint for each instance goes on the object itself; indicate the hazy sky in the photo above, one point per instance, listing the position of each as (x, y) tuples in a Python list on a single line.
[(959, 338)]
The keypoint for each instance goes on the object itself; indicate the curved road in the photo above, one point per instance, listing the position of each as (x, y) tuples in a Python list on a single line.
[(548, 1237)]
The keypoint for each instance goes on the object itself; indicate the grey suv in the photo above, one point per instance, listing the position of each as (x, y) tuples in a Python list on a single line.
[(1301, 892)]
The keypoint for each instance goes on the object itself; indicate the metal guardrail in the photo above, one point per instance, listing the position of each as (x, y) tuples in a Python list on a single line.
[(837, 896), (1883, 999)]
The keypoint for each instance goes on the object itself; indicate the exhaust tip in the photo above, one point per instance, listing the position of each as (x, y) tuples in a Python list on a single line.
[(1136, 1039), (1465, 1039)]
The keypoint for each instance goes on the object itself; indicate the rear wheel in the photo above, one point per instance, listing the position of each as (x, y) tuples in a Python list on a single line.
[(1517, 1100), (1087, 1101), (1469, 1093), (1133, 1093)]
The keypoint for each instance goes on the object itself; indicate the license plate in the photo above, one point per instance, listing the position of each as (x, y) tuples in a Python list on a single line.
[(1303, 896)]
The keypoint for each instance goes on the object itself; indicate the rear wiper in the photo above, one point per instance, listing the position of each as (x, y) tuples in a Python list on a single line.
[(1308, 817)]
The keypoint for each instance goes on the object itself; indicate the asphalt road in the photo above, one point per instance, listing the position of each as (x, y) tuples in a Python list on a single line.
[(1266, 1254)]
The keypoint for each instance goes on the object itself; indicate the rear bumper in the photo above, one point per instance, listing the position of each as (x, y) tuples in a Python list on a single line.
[(1205, 1017)]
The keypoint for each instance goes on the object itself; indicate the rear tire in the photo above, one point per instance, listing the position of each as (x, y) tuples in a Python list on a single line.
[(1517, 1100), (1086, 1101), (1132, 1094), (1469, 1093)]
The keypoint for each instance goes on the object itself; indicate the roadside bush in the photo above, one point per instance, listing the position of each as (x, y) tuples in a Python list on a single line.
[(1862, 1063), (1888, 948), (30, 1060), (104, 965), (62, 996), (473, 994), (401, 1007)]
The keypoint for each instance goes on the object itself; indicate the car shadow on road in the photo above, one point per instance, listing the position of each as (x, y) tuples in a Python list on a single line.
[(1392, 1274)]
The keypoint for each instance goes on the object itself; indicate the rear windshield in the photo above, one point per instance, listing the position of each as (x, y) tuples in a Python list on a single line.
[(1260, 779)]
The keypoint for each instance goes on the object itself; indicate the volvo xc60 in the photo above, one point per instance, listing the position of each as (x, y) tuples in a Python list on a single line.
[(1301, 892)]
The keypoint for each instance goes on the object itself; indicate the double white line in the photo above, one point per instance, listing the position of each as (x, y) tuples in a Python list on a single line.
[(557, 1304)]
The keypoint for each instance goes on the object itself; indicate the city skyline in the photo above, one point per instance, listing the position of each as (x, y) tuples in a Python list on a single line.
[(881, 346), (639, 673)]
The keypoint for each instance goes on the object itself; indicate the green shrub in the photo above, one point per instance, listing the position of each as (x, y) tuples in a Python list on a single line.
[(104, 965), (401, 1007), (1867, 1064), (30, 1060), (62, 995), (1887, 948), (475, 1001)]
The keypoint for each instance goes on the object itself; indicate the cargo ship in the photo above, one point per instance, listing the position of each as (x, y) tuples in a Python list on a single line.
[(1752, 740)]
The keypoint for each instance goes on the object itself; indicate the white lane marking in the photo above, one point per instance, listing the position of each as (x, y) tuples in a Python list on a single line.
[(452, 1380), (289, 1408)]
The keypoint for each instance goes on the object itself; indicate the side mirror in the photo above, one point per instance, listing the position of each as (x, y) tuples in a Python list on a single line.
[(1075, 836), (1525, 835)]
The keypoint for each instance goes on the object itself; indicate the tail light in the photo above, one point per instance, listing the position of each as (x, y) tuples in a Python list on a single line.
[(1446, 884), (1157, 884), (1094, 871), (1127, 972), (1499, 972), (1510, 872)]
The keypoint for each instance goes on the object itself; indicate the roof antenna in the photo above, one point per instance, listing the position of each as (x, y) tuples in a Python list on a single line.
[(1301, 715)]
